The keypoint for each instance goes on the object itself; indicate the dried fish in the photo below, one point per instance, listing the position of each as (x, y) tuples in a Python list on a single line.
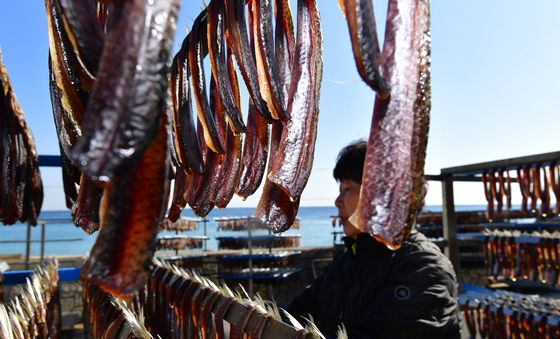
[(292, 167), (237, 38), (123, 250), (197, 43), (392, 188), (122, 111), (218, 62), (269, 77), (363, 35)]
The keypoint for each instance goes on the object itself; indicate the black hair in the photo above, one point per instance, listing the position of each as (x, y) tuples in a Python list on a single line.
[(350, 162)]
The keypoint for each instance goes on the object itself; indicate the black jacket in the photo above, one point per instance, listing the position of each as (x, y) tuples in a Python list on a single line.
[(379, 293)]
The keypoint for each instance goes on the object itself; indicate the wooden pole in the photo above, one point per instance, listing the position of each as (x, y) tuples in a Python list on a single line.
[(450, 223)]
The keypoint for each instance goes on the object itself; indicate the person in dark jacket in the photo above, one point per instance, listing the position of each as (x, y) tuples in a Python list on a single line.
[(375, 292)]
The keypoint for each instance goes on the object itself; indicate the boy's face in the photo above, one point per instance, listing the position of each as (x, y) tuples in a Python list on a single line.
[(346, 203)]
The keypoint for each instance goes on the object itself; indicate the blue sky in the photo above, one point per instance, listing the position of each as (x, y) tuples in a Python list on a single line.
[(495, 88)]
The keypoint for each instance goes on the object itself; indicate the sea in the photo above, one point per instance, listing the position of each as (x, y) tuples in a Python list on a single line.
[(63, 238)]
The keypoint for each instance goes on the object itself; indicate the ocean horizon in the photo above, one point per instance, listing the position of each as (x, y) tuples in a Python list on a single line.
[(316, 230)]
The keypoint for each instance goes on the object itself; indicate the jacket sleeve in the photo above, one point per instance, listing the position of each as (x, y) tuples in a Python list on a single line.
[(417, 299), (306, 303)]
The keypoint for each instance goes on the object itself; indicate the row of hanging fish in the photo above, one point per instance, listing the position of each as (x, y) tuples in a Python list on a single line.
[(393, 186), (516, 255), (177, 303), (109, 104), (21, 188), (35, 311), (538, 184), (180, 242), (246, 223), (500, 314), (108, 317), (180, 225), (282, 73)]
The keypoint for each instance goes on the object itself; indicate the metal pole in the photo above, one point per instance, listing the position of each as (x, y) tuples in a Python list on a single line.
[(250, 244), (450, 223), (27, 246), (42, 241), (205, 234)]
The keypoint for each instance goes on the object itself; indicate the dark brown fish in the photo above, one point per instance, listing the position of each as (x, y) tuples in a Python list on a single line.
[(521, 180), (292, 166), (275, 208), (255, 145), (237, 38), (393, 183), (230, 171), (197, 43), (21, 190), (123, 109), (269, 77), (284, 44), (84, 31), (131, 210), (69, 88), (218, 62), (85, 212), (255, 151), (187, 146), (181, 193), (201, 199), (363, 35)]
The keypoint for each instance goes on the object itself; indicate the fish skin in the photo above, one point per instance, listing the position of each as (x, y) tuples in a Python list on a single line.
[(131, 211), (275, 208), (292, 166), (237, 38), (269, 80), (365, 45), (230, 169), (204, 188), (122, 111), (255, 152), (85, 211), (186, 141), (392, 188), (72, 84), (197, 43), (21, 189), (181, 193), (218, 63), (284, 44), (84, 31)]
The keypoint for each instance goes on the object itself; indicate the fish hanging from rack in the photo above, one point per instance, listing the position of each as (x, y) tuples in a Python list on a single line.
[(21, 188), (393, 189)]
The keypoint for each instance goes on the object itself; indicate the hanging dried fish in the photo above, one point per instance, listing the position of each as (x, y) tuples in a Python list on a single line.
[(255, 145), (187, 145), (230, 171), (237, 38), (292, 167), (85, 211), (197, 43), (522, 180), (21, 189), (218, 62), (269, 77), (363, 35), (393, 183), (275, 208), (131, 82), (553, 178), (123, 250), (84, 31), (488, 195)]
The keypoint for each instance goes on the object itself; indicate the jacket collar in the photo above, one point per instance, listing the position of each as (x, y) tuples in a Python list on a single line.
[(364, 244)]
